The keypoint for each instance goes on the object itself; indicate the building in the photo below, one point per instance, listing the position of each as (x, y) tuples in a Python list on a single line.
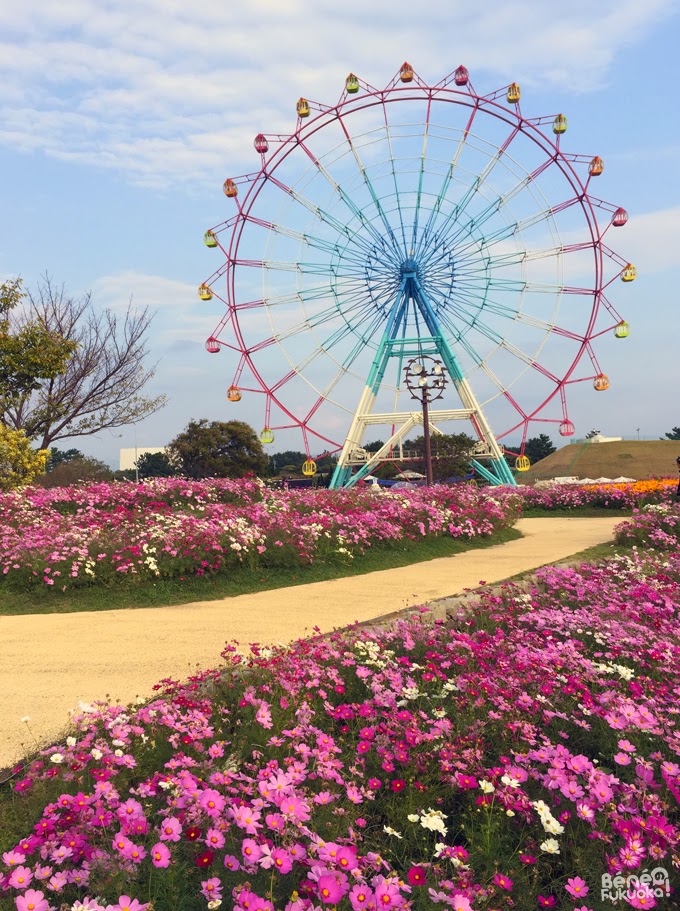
[(129, 456)]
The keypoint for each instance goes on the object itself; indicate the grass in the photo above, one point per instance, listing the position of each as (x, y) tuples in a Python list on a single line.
[(165, 592)]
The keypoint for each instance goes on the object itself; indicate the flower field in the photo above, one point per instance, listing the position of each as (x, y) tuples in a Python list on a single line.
[(103, 533), (524, 756), (604, 496)]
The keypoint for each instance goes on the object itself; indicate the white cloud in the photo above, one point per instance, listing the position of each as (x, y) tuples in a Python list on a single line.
[(652, 240), (160, 89)]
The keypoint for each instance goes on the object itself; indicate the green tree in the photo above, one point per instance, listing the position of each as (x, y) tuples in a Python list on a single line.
[(289, 461), (674, 434), (538, 448), (96, 372), (451, 453), (60, 456), (31, 352), (155, 465), (218, 449)]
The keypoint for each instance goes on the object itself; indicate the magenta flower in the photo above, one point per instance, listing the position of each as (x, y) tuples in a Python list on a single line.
[(503, 881), (361, 897), (331, 887), (387, 894), (577, 887), (417, 876), (125, 903), (160, 855), (212, 802), (31, 900)]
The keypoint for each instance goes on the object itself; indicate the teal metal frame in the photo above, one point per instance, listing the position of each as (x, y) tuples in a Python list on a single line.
[(411, 297)]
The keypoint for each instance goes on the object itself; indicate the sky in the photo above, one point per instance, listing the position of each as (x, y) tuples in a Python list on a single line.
[(119, 122)]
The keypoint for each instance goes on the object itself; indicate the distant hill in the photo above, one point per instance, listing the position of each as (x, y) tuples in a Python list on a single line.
[(639, 459)]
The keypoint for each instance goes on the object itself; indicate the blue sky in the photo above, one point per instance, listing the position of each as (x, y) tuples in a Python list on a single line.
[(120, 121)]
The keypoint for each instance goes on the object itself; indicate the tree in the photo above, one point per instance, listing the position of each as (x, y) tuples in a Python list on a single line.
[(83, 468), (451, 453), (100, 385), (31, 352), (19, 464), (219, 449), (538, 448), (155, 465), (674, 434), (60, 456), (289, 461)]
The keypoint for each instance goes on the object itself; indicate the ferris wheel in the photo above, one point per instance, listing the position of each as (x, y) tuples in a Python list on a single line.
[(414, 221)]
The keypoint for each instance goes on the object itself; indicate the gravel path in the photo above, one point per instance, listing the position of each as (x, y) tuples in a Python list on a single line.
[(51, 662)]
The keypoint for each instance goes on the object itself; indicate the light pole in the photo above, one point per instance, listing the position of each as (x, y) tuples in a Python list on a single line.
[(136, 459), (426, 379)]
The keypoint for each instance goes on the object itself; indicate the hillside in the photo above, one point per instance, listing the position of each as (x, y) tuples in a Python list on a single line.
[(637, 459)]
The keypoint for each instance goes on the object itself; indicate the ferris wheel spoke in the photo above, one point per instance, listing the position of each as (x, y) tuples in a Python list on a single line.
[(475, 222), (480, 362), (342, 228), (390, 150), (419, 193), (444, 188), (371, 189), (356, 210), (317, 243)]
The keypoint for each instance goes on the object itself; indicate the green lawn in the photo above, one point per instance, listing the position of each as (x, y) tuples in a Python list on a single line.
[(241, 582)]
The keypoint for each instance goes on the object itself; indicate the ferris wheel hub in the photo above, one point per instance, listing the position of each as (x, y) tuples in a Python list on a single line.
[(410, 268)]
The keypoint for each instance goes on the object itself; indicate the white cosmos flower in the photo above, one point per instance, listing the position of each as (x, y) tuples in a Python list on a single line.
[(56, 757), (391, 831), (550, 846), (510, 782), (486, 786)]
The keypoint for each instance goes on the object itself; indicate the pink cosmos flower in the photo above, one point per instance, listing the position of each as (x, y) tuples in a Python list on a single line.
[(125, 903), (251, 851), (211, 888), (503, 881), (641, 898), (171, 830), (281, 860), (577, 887), (212, 802), (160, 855), (20, 877), (214, 839), (331, 887), (361, 897), (387, 894), (31, 900), (460, 903)]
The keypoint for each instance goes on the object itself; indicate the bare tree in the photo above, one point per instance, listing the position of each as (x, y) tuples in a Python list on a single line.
[(101, 386)]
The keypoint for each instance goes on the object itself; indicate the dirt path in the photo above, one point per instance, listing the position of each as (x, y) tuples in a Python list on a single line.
[(51, 662)]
